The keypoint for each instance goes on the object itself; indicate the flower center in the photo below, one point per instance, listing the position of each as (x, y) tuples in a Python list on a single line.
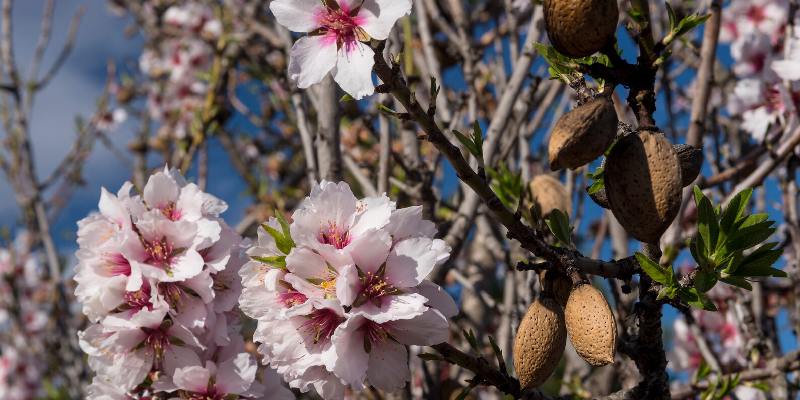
[(139, 299), (334, 236), (159, 252), (171, 211), (374, 333), (373, 287), (756, 14), (157, 341), (291, 298), (117, 264), (321, 324), (172, 294)]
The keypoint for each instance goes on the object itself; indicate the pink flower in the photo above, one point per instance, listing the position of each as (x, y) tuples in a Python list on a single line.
[(336, 30), (350, 293), (333, 223), (376, 351), (233, 377), (744, 17)]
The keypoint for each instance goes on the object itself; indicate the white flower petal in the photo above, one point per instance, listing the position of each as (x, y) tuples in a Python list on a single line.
[(353, 70), (297, 15), (306, 264), (379, 16), (425, 330), (160, 191), (370, 251), (351, 365), (438, 298), (311, 58), (388, 366), (237, 374), (194, 378), (411, 260)]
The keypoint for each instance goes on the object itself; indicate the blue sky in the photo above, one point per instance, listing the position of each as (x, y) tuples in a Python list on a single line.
[(73, 92)]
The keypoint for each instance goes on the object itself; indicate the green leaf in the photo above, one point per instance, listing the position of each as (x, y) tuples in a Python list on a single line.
[(272, 261), (749, 236), (737, 281), (707, 225), (667, 292), (696, 299), (703, 371), (283, 238), (662, 275), (434, 90), (346, 98), (466, 142), (598, 180), (672, 18), (506, 185), (705, 280), (477, 137), (700, 253), (558, 222), (386, 110), (735, 210), (501, 362)]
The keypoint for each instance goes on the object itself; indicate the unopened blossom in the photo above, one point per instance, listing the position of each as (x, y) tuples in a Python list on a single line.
[(338, 32), (348, 294)]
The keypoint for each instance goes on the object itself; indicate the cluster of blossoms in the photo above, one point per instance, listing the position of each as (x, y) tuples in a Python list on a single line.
[(175, 64), (341, 291), (766, 64), (338, 30), (157, 276), (25, 299)]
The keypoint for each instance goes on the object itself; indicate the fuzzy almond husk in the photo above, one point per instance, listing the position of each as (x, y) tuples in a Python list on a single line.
[(550, 194), (580, 28), (583, 134), (691, 159), (643, 184), (539, 342), (590, 325)]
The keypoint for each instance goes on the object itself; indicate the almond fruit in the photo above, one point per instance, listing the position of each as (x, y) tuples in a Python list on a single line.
[(691, 159), (550, 194), (580, 28), (643, 184), (539, 342), (583, 134), (590, 325)]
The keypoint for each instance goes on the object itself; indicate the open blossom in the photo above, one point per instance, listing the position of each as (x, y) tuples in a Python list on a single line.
[(340, 292), (158, 276), (337, 32)]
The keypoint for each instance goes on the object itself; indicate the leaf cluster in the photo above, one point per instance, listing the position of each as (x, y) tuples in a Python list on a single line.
[(728, 247)]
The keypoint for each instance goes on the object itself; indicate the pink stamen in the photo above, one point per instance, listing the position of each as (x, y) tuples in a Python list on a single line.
[(334, 236), (159, 252), (171, 212), (374, 333), (321, 324), (342, 24), (292, 298), (157, 340), (373, 288), (117, 264), (139, 299)]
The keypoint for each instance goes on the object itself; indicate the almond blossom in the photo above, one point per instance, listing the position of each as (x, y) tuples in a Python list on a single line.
[(338, 30), (158, 275), (342, 290)]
